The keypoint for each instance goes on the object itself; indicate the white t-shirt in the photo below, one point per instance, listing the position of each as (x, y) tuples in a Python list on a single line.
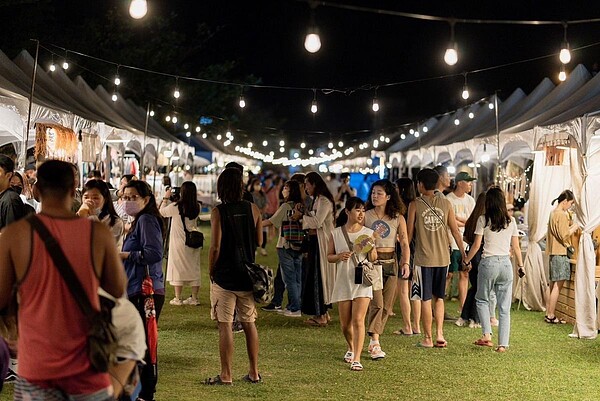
[(496, 243), (463, 207)]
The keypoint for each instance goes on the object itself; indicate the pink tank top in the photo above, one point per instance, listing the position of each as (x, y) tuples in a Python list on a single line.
[(52, 328)]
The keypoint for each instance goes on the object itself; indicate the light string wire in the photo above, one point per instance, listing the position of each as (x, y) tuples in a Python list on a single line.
[(450, 20)]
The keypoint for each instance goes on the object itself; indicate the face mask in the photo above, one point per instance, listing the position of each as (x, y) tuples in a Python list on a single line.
[(17, 189), (132, 208)]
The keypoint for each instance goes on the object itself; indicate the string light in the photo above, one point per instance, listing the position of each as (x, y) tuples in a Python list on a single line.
[(491, 106), (465, 91), (219, 137), (186, 126), (471, 115), (265, 143), (65, 64), (176, 92), (168, 118), (249, 144), (411, 131), (311, 152), (174, 119), (198, 128), (114, 97), (282, 149), (242, 102), (425, 129), (151, 113), (565, 54), (451, 54), (312, 41), (282, 143), (330, 145), (204, 135), (117, 79), (296, 155), (313, 106), (303, 145), (138, 9), (417, 134), (562, 75), (341, 144), (456, 121), (188, 134), (52, 65), (375, 105), (402, 136)]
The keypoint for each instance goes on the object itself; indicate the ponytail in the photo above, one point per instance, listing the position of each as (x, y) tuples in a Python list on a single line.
[(564, 195)]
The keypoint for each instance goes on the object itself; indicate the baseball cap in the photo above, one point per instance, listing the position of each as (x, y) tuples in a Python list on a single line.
[(463, 176)]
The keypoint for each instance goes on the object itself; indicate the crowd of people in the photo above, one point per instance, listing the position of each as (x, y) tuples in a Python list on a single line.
[(404, 242)]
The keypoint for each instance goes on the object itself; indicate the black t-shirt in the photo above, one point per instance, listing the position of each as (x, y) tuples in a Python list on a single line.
[(230, 272), (11, 208)]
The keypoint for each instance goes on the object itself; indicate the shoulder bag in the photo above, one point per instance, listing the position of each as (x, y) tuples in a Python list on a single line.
[(102, 342), (193, 239), (292, 231), (365, 272), (262, 278)]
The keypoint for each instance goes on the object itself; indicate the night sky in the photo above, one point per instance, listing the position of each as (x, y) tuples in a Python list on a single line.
[(361, 49)]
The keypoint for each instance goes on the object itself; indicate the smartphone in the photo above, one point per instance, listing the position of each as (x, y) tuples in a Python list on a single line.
[(358, 274)]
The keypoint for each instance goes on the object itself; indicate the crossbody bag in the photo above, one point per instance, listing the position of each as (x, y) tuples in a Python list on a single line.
[(193, 239), (365, 273)]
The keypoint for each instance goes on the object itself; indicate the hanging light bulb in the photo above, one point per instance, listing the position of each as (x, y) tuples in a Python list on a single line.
[(456, 121), (265, 143), (176, 93), (313, 107), (188, 134), (204, 135), (52, 67), (303, 145), (341, 144), (65, 65), (375, 105), (565, 54), (114, 97), (151, 113), (411, 131), (451, 55), (417, 134), (219, 137), (465, 92), (249, 144), (174, 119), (117, 81), (198, 128), (471, 115), (282, 149), (310, 151), (312, 42), (425, 129), (330, 145), (491, 106), (562, 75), (387, 140), (282, 143), (168, 118), (186, 126), (402, 136), (138, 9), (242, 102)]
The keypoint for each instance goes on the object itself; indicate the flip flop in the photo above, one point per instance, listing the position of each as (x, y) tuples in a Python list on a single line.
[(484, 343), (416, 333), (440, 344), (314, 323), (216, 381), (500, 349), (247, 379), (401, 332), (421, 345)]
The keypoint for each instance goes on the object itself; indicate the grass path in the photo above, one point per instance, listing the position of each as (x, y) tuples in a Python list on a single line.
[(298, 362)]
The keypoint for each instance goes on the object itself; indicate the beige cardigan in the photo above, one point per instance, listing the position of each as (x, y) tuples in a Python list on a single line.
[(322, 221), (558, 237)]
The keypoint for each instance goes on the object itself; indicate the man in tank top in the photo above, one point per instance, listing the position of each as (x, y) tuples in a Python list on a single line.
[(53, 332), (429, 219)]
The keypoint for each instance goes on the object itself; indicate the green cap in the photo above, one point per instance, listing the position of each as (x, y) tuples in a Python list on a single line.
[(463, 176)]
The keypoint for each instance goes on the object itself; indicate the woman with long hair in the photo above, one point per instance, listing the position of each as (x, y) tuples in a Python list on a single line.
[(469, 311), (97, 205), (408, 193), (352, 298), (318, 274), (499, 232), (142, 255), (560, 229), (236, 229), (290, 257), (260, 200), (385, 216), (183, 266)]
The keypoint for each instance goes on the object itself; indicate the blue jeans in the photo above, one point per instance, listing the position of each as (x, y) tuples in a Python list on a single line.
[(290, 263), (495, 275)]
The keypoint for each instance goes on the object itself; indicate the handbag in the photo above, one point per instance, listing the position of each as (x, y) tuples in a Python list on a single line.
[(371, 274), (193, 239), (262, 278), (101, 342), (293, 233)]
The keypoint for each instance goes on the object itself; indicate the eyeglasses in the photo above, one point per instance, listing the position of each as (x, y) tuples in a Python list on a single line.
[(130, 198)]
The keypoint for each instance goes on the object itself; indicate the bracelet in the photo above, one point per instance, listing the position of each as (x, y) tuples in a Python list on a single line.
[(165, 199), (406, 264)]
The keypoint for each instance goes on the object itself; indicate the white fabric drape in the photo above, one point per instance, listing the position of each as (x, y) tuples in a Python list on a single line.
[(546, 184), (587, 192)]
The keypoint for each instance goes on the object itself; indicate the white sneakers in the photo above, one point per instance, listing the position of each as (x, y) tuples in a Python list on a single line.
[(190, 301), (460, 322), (376, 352), (176, 302), (289, 313)]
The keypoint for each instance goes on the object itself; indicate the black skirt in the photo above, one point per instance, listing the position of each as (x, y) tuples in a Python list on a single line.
[(312, 285)]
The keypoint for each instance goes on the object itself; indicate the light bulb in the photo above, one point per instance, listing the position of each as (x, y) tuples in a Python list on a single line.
[(52, 67), (491, 106), (249, 144), (402, 136), (411, 131), (198, 129), (204, 136), (341, 144), (65, 65), (282, 143), (176, 93), (168, 118), (416, 134), (186, 126), (382, 138), (282, 149), (456, 121), (237, 148), (117, 81), (375, 106), (219, 137), (330, 145), (310, 151), (312, 42), (471, 115), (227, 143), (114, 97), (425, 129), (565, 54), (451, 55), (302, 145), (138, 9), (265, 143), (296, 155), (242, 102), (188, 134), (465, 93), (174, 119), (151, 113), (562, 76), (387, 140), (313, 107)]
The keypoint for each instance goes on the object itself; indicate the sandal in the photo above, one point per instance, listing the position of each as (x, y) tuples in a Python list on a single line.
[(440, 344), (212, 381), (484, 343), (348, 356), (248, 379), (401, 332), (356, 366), (315, 323), (500, 349), (554, 320), (421, 345)]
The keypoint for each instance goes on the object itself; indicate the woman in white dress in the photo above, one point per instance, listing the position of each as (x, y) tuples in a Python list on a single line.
[(353, 299), (183, 266)]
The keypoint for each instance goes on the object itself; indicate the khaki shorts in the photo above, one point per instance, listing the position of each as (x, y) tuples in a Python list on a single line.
[(224, 303)]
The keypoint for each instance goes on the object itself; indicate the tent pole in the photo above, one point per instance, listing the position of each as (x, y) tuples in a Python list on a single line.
[(156, 165), (145, 136), (499, 171), (33, 74)]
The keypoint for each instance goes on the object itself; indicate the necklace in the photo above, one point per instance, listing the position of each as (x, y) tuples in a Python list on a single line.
[(377, 214)]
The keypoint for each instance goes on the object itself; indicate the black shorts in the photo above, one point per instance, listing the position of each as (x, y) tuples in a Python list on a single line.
[(429, 282)]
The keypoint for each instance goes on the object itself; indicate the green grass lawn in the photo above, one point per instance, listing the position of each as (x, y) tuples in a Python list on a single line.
[(298, 362)]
